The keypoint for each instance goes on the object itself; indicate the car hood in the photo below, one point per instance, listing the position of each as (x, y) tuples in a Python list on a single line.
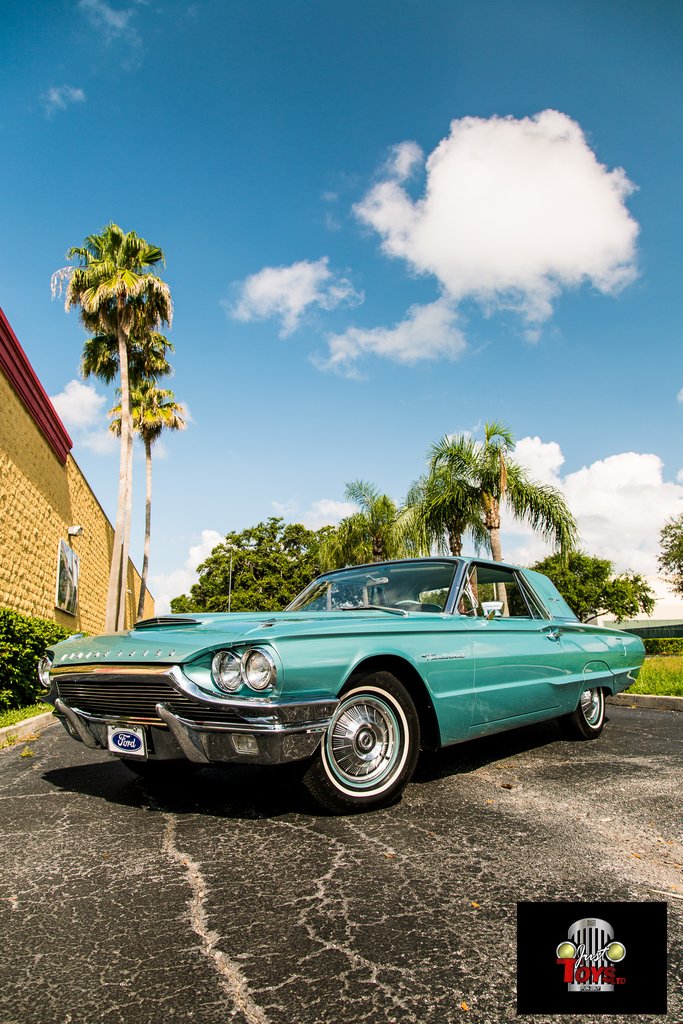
[(174, 642)]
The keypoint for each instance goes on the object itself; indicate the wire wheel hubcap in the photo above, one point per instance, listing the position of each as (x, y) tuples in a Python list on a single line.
[(363, 741), (591, 705)]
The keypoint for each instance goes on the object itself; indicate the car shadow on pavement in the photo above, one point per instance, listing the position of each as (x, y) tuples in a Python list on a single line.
[(255, 791), (463, 758), (226, 791)]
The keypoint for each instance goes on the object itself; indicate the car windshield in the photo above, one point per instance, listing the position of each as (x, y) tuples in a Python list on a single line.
[(406, 586)]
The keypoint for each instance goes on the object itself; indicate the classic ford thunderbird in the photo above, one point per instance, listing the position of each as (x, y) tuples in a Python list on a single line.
[(366, 667)]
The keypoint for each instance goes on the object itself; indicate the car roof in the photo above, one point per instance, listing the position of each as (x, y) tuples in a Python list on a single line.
[(427, 559)]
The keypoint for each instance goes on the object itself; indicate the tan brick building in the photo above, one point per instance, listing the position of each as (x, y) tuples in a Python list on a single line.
[(42, 495)]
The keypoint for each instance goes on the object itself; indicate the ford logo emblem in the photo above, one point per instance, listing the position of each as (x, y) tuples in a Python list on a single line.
[(125, 740)]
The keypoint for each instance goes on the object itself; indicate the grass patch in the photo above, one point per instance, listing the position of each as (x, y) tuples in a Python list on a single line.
[(661, 674), (21, 714)]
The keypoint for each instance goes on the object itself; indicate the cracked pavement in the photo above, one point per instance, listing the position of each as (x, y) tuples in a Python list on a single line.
[(230, 899)]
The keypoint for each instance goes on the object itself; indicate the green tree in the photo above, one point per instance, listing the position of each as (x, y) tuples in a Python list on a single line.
[(147, 356), (371, 534), (440, 509), (112, 284), (489, 468), (154, 410), (590, 586), (272, 562), (671, 553)]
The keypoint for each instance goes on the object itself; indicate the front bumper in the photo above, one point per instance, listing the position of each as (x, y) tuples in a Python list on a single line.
[(260, 731)]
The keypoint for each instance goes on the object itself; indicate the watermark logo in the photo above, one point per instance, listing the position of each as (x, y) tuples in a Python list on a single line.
[(592, 958), (588, 956)]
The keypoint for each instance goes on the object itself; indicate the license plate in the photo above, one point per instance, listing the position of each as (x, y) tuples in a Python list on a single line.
[(127, 741)]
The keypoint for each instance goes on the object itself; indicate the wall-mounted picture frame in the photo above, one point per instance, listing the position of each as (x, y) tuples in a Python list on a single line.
[(67, 579)]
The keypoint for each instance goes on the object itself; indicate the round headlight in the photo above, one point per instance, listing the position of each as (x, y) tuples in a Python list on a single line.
[(44, 666), (259, 669), (226, 669)]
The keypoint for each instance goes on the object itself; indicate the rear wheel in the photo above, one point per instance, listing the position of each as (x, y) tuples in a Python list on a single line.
[(587, 722), (370, 749)]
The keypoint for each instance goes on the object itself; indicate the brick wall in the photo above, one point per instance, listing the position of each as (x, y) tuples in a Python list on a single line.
[(40, 497)]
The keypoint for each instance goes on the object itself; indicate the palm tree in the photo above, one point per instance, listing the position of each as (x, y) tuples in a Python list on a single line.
[(112, 284), (147, 357), (439, 509), (371, 534), (489, 468), (154, 410)]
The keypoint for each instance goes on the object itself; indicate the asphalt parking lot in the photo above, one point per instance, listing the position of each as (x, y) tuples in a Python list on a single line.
[(231, 899)]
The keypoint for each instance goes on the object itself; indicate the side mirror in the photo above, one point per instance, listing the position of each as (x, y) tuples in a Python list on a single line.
[(492, 609)]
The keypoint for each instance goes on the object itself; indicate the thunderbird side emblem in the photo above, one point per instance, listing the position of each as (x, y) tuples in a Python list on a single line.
[(443, 657)]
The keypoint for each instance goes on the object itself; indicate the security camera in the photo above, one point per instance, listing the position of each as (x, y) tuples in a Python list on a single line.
[(75, 531)]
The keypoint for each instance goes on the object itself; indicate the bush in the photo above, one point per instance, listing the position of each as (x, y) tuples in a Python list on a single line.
[(665, 645), (23, 641)]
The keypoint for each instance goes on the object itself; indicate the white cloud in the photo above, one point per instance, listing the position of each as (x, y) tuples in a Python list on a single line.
[(102, 442), (324, 512), (79, 405), (513, 211), (679, 396), (165, 586), (186, 413), (620, 504), (327, 512), (404, 160), (59, 97), (82, 410), (285, 509), (288, 292), (427, 332), (541, 459), (111, 21)]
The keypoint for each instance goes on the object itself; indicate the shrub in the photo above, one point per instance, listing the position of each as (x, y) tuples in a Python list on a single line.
[(23, 641), (665, 645)]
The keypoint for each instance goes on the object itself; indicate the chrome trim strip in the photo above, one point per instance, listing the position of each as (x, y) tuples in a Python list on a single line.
[(188, 743), (257, 726), (174, 736), (249, 708), (458, 578), (79, 725), (114, 669)]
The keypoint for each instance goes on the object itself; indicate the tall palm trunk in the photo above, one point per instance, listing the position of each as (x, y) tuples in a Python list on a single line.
[(116, 572), (127, 426), (493, 526), (455, 540), (123, 598), (148, 525)]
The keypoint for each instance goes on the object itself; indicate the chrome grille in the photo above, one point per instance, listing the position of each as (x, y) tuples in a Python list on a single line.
[(131, 697)]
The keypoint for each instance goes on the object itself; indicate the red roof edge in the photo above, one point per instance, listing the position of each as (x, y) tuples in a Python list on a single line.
[(23, 379)]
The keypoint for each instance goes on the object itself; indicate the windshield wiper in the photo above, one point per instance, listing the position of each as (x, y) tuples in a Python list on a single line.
[(375, 608)]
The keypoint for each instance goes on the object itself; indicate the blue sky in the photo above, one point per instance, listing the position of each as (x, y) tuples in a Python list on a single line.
[(374, 236)]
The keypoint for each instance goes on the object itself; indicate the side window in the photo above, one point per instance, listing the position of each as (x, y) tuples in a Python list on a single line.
[(433, 600), (492, 591)]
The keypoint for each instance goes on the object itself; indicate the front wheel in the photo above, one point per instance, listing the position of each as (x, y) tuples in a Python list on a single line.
[(587, 722), (370, 749)]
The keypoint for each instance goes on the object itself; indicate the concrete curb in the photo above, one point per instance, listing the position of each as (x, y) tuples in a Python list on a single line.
[(647, 700), (26, 728)]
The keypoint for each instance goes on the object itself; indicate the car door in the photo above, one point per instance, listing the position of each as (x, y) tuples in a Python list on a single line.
[(519, 661)]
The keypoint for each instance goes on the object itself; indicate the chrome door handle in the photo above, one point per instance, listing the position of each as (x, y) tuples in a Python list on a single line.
[(553, 634)]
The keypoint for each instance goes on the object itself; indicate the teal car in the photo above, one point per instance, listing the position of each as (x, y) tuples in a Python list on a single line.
[(366, 667)]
